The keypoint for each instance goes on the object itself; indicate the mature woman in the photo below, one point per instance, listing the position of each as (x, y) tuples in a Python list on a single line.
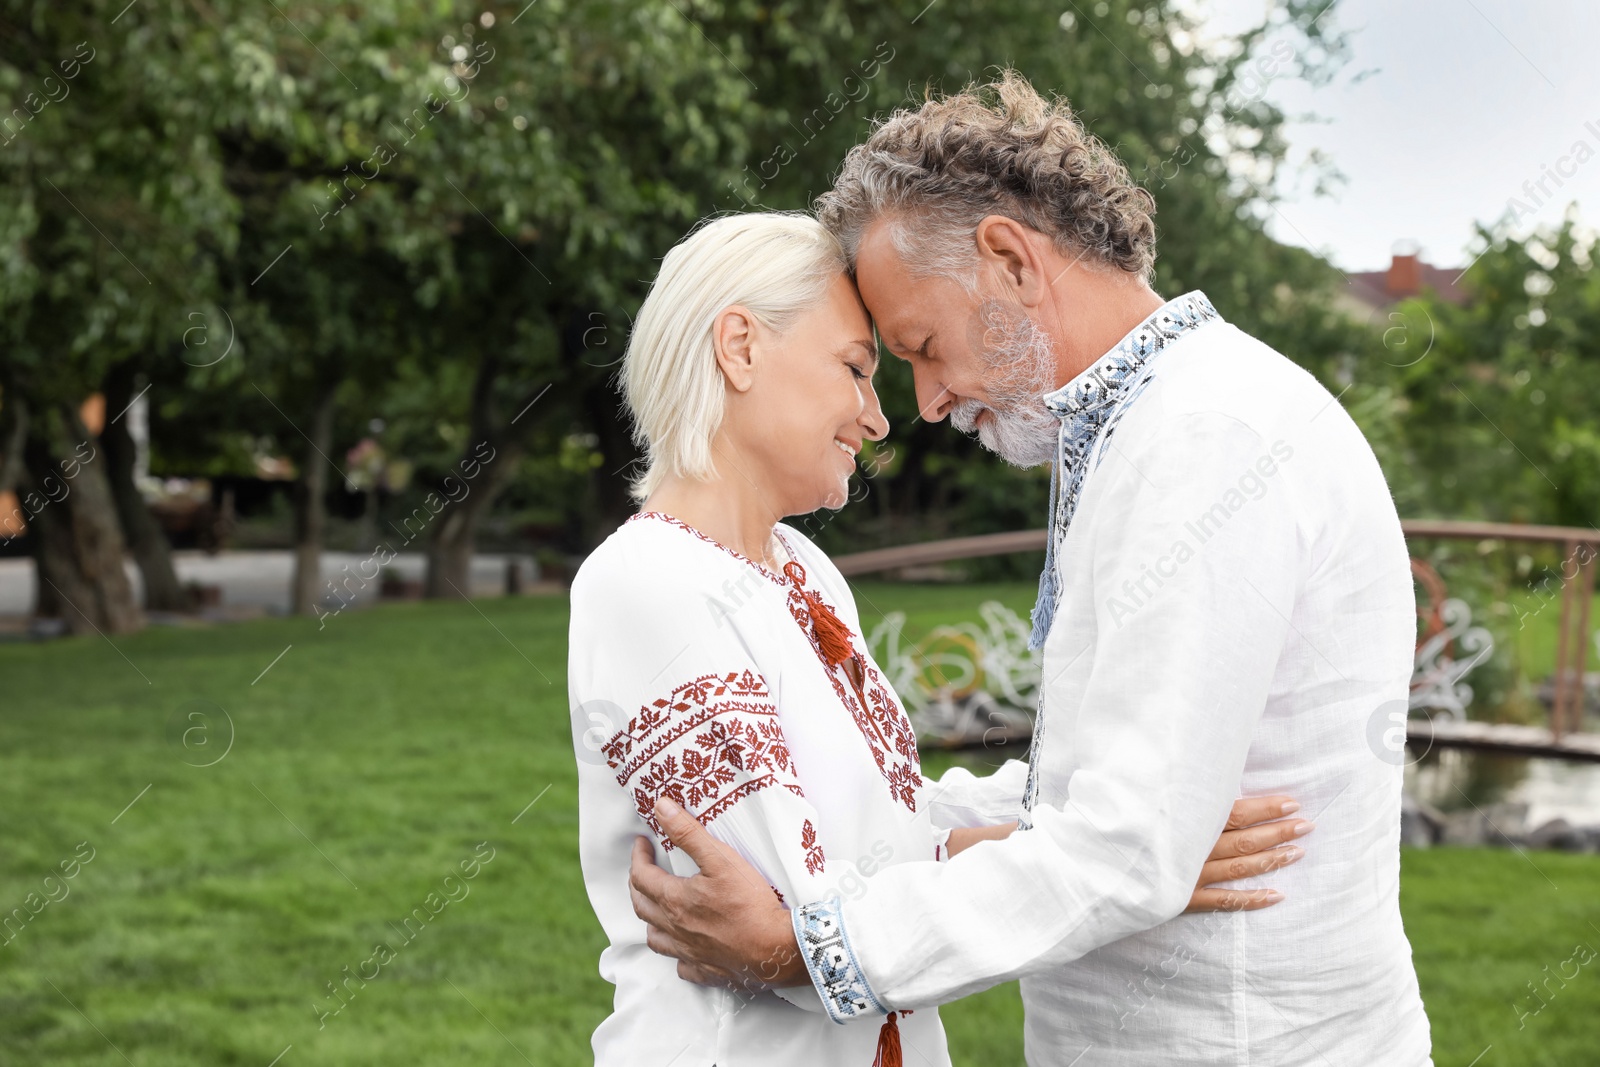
[(716, 655)]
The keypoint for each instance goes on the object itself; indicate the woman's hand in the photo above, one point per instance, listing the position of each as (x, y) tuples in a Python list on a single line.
[(1250, 846), (964, 837)]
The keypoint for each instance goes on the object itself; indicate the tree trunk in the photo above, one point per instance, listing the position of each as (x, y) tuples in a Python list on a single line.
[(311, 511), (78, 546), (147, 541), (14, 476), (455, 535), (488, 466), (15, 425)]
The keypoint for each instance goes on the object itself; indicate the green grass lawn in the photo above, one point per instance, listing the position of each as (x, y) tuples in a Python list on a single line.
[(374, 758)]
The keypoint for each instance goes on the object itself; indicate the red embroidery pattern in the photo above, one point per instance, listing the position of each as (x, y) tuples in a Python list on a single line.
[(881, 721), (808, 841), (693, 747), (877, 712)]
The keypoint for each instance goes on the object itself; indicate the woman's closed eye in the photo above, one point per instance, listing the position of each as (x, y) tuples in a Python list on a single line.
[(862, 359)]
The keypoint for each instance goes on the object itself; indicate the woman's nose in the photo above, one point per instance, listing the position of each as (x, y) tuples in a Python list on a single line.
[(874, 424)]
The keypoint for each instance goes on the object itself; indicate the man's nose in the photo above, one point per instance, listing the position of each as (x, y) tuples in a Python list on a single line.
[(934, 400)]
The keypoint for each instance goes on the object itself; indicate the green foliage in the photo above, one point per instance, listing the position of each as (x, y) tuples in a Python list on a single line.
[(1499, 417), (371, 198), (1485, 411)]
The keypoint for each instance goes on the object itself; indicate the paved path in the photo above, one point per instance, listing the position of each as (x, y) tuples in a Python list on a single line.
[(258, 581)]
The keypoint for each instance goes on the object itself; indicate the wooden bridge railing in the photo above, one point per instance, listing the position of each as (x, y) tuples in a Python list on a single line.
[(1577, 592)]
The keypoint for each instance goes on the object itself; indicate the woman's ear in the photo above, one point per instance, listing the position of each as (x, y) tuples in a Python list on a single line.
[(733, 335)]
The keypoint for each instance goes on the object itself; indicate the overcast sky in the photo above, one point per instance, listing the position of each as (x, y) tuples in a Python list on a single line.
[(1470, 99)]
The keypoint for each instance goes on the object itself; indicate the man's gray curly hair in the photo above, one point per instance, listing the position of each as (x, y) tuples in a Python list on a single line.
[(995, 149)]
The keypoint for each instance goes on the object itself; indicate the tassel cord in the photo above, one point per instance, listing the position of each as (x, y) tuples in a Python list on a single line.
[(833, 637)]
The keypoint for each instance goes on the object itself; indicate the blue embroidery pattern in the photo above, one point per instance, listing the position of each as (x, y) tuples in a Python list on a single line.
[(1090, 407), (819, 931)]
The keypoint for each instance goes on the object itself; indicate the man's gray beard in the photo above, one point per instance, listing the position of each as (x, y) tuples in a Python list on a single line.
[(1021, 370)]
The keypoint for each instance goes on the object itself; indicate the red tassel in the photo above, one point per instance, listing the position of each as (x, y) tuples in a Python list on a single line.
[(833, 637), (889, 1054), (832, 634)]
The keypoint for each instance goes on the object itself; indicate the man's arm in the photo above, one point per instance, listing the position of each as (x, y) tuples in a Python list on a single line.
[(724, 931), (1184, 646)]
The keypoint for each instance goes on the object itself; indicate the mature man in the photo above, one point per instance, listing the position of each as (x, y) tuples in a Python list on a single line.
[(1226, 610)]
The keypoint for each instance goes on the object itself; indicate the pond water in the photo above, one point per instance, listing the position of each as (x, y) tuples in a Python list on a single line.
[(1455, 779), (1446, 779)]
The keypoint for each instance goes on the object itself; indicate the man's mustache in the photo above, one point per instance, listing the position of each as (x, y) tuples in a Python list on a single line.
[(964, 415)]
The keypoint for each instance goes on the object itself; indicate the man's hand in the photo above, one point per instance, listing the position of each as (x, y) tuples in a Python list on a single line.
[(724, 925), (1250, 846)]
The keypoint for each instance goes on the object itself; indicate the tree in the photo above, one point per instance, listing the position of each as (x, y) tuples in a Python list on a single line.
[(430, 213), (97, 255), (145, 538), (1499, 417)]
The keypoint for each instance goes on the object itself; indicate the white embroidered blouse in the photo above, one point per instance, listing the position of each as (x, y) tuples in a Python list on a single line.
[(695, 673)]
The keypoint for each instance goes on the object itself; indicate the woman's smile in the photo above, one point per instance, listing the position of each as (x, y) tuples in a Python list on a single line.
[(849, 451)]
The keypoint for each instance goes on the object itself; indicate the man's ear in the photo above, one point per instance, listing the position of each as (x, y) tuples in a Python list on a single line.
[(733, 335), (1008, 254)]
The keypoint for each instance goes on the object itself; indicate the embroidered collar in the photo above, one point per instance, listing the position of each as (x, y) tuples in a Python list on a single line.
[(1105, 381), (766, 572), (1089, 407)]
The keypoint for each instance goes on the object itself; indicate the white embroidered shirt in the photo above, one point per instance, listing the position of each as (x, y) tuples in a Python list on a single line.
[(694, 673), (1235, 616)]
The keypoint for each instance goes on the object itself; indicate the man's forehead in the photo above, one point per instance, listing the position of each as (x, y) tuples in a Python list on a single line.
[(886, 286), (876, 251), (898, 324)]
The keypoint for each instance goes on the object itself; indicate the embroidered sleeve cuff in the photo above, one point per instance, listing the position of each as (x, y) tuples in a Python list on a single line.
[(831, 962)]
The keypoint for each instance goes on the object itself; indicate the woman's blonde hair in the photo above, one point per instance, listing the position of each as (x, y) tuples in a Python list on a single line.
[(777, 264)]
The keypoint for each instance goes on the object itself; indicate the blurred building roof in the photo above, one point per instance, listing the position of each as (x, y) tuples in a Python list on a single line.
[(1407, 276)]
